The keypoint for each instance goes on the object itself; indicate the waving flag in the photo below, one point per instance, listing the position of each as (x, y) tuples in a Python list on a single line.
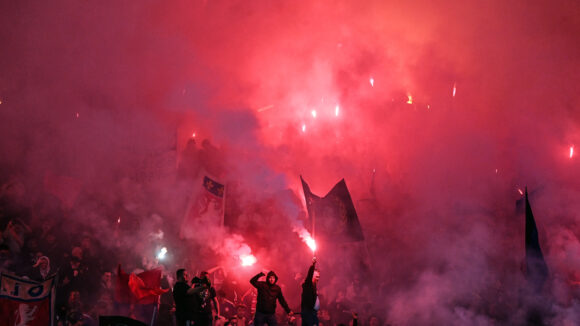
[(333, 216), (206, 209), (25, 302), (142, 288), (536, 267)]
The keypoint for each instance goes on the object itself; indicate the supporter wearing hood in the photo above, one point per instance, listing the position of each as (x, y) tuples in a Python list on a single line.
[(268, 293)]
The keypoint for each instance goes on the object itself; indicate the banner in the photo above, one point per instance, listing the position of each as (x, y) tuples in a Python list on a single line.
[(333, 216), (207, 209), (25, 302)]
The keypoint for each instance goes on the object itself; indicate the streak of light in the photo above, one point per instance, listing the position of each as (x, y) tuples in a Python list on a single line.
[(303, 127), (268, 107), (336, 110), (372, 81), (571, 151), (520, 191), (454, 89), (409, 99), (314, 113)]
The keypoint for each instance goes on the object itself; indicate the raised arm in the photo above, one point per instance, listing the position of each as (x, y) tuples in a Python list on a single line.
[(310, 273), (254, 280)]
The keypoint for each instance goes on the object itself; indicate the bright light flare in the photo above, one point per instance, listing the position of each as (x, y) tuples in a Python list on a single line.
[(303, 127), (77, 115), (372, 81), (314, 114), (307, 238), (248, 260), (119, 220), (454, 89), (193, 135), (571, 151), (409, 99), (520, 191), (336, 110), (162, 253)]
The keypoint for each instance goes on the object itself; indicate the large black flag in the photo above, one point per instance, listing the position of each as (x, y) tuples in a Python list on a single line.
[(333, 215), (536, 268)]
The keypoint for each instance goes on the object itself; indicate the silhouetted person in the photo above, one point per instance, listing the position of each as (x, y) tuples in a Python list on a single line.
[(183, 295), (268, 293), (309, 303)]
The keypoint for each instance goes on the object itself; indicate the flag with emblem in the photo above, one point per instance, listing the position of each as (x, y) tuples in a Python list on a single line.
[(25, 302), (333, 216), (205, 209)]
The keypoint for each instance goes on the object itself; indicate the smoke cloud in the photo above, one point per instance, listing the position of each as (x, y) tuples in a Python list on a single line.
[(434, 113)]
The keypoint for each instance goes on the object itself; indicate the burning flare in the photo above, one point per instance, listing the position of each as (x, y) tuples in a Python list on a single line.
[(307, 238), (248, 260)]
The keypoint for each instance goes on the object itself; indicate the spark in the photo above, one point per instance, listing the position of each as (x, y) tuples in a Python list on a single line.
[(372, 81), (336, 110), (571, 151), (119, 220), (77, 114), (520, 191), (314, 114), (428, 107), (193, 135), (0, 101), (162, 253), (303, 127), (248, 260), (454, 89), (410, 99), (495, 171), (268, 107)]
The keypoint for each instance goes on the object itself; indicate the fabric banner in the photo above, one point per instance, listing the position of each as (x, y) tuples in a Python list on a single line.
[(207, 209), (536, 268), (334, 215), (25, 302), (143, 288)]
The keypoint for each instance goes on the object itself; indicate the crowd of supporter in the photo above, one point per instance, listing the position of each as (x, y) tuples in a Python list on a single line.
[(38, 241)]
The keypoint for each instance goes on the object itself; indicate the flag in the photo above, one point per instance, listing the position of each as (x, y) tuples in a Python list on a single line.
[(206, 209), (334, 215), (25, 302), (143, 288), (536, 268)]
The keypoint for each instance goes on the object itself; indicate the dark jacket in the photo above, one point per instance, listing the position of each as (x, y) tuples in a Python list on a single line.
[(309, 292), (268, 294)]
